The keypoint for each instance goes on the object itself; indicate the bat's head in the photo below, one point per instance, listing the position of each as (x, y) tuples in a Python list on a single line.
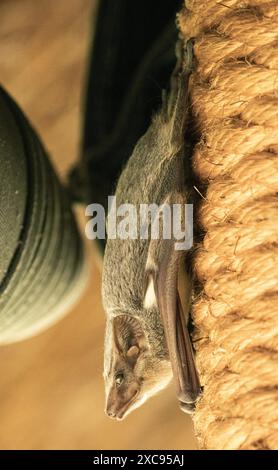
[(133, 372)]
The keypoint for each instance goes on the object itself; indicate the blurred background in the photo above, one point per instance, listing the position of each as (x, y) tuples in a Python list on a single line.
[(51, 386)]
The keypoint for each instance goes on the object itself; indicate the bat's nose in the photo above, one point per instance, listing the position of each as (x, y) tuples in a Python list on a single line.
[(110, 410), (117, 408), (111, 413), (115, 412)]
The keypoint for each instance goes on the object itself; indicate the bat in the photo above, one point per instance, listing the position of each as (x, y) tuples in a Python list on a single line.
[(146, 337)]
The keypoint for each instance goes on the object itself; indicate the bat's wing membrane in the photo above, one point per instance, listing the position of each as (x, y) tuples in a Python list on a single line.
[(162, 268)]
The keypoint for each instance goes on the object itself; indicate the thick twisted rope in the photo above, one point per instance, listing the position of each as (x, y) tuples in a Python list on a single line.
[(234, 93)]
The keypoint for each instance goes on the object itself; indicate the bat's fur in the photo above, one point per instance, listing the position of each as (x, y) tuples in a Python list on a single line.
[(149, 176)]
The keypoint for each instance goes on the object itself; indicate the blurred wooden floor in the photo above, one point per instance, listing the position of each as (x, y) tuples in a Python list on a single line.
[(51, 387)]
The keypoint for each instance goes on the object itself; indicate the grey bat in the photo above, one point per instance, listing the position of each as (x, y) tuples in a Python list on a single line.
[(146, 340)]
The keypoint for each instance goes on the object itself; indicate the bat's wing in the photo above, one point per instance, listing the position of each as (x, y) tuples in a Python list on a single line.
[(189, 384), (162, 273)]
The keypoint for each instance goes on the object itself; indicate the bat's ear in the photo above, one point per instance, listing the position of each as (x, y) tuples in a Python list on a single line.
[(129, 337)]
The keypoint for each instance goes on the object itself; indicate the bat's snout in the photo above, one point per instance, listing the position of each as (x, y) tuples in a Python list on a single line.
[(117, 409), (111, 413)]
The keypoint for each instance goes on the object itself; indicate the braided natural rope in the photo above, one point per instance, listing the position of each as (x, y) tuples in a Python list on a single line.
[(234, 93)]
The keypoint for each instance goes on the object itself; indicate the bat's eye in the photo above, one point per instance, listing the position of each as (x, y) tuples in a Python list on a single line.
[(119, 379)]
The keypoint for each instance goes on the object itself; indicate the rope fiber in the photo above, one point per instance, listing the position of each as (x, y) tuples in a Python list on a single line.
[(234, 105)]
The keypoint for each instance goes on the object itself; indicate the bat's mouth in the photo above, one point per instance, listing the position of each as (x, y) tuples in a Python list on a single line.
[(123, 410)]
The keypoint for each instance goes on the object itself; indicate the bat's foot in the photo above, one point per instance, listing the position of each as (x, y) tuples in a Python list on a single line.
[(184, 55), (188, 56), (175, 109)]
